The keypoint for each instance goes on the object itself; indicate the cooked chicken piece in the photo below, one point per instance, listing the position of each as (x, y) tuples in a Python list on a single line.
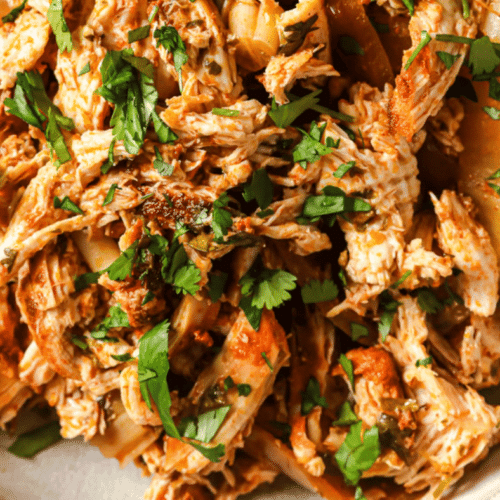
[(241, 358), (104, 382), (420, 88), (10, 350), (48, 305), (76, 96), (22, 43), (13, 395), (211, 64), (468, 242), (312, 356), (34, 369), (455, 427), (282, 72)]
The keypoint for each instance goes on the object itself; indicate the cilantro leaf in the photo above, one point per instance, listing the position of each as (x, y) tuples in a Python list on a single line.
[(228, 383), (310, 149), (492, 112), (295, 34), (350, 46), (225, 112), (14, 13), (67, 204), (31, 104), (494, 89), (85, 69), (311, 397), (390, 307), (482, 56), (216, 285), (424, 362), (138, 33), (116, 318), (161, 166), (110, 194), (55, 16), (428, 301), (127, 82), (148, 297), (495, 187), (265, 213), (30, 443), (86, 279), (221, 218), (347, 365), (326, 111), (284, 115), (343, 169), (409, 4), (123, 265), (79, 342), (333, 201), (358, 331), (203, 427), (425, 38), (346, 416), (122, 358), (244, 390), (260, 189), (447, 58), (186, 279), (169, 38), (357, 454), (317, 291), (358, 494)]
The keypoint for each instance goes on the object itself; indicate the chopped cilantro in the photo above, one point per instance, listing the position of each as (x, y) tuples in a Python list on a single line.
[(346, 416), (447, 58), (311, 397), (401, 280), (148, 297), (67, 204), (265, 213), (266, 359), (262, 287), (284, 428), (228, 383), (169, 38), (85, 69), (317, 291), (86, 279), (153, 13), (55, 16), (295, 34), (424, 362), (161, 166), (117, 318), (482, 56), (494, 89), (122, 358), (445, 37), (244, 390), (358, 452), (14, 13), (32, 104), (79, 342), (495, 187), (284, 115), (379, 27), (465, 9), (110, 194), (390, 307), (139, 33), (343, 169), (123, 265), (30, 443), (358, 331), (310, 149), (350, 46), (428, 301), (492, 112), (225, 112), (221, 218), (324, 110), (127, 82), (203, 427), (342, 278), (358, 494), (425, 39), (260, 189), (347, 365), (216, 285)]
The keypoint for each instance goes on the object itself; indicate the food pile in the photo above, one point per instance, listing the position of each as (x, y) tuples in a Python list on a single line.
[(235, 239)]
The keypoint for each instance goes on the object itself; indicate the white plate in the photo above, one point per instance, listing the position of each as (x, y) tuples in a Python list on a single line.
[(75, 470)]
